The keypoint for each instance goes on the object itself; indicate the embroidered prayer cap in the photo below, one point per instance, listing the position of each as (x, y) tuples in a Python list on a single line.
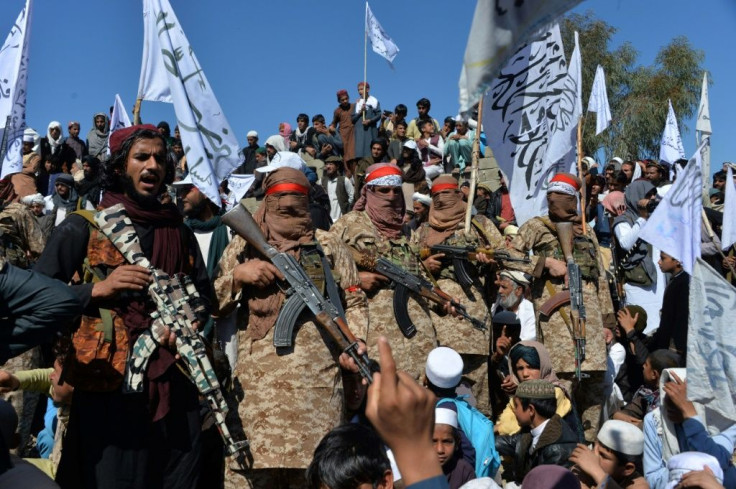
[(506, 317), (518, 277), (511, 230), (443, 415), (284, 159), (342, 93), (261, 150), (252, 134), (334, 159), (564, 183), (423, 198), (444, 182), (118, 137), (623, 437), (684, 462), (484, 187), (383, 174), (444, 367), (536, 389)]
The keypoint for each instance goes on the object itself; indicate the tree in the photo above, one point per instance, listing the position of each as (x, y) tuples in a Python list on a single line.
[(637, 94)]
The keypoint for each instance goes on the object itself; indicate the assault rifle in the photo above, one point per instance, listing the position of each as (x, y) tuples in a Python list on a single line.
[(575, 282), (178, 306), (460, 255), (404, 283), (325, 313)]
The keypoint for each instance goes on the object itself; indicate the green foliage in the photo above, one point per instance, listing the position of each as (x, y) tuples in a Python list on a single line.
[(637, 94)]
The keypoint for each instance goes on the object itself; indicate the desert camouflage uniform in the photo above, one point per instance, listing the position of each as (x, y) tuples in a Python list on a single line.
[(285, 400), (356, 230), (538, 236), (20, 234), (457, 333)]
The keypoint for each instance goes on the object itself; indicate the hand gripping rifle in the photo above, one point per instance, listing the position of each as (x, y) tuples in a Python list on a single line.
[(461, 255), (178, 306), (325, 312), (575, 283), (404, 283)]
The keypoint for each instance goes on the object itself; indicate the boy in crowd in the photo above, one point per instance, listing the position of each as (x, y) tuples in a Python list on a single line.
[(446, 440)]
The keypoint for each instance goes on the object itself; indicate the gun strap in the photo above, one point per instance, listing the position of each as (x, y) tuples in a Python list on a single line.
[(333, 293), (563, 313)]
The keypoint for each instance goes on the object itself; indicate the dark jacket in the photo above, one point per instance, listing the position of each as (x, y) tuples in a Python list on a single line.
[(554, 447), (673, 322)]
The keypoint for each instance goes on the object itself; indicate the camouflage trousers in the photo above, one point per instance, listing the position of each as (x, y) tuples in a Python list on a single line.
[(589, 397)]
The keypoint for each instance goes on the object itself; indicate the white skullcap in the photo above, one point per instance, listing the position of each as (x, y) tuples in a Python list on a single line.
[(682, 463), (411, 144), (32, 199), (251, 134), (511, 230), (590, 161), (445, 416), (444, 367), (423, 198), (617, 160), (284, 159), (516, 276), (481, 483), (623, 437), (28, 138)]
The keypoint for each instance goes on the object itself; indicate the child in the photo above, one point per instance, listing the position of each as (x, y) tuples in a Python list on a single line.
[(446, 440), (646, 398), (544, 438), (615, 461)]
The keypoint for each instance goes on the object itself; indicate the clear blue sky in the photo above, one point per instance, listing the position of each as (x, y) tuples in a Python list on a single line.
[(268, 61)]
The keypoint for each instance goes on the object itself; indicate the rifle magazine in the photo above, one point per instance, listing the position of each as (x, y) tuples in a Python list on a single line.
[(401, 311)]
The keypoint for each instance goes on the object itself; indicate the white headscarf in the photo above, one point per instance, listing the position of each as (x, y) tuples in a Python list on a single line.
[(55, 143)]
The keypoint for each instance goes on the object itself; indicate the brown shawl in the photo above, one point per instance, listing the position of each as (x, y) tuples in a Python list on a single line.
[(446, 211)]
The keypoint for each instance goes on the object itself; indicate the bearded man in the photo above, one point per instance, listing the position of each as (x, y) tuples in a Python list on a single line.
[(114, 438), (548, 266), (446, 226), (287, 398), (374, 230)]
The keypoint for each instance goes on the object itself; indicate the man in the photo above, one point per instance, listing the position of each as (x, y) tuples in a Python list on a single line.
[(73, 141), (291, 395), (445, 226), (396, 143), (719, 180), (341, 125), (430, 147), (459, 145), (512, 287), (448, 127), (365, 118), (24, 182), (142, 439), (249, 155), (301, 135), (374, 230), (420, 205), (325, 143), (54, 144), (310, 157), (540, 235), (97, 137), (391, 119), (627, 168), (90, 187), (414, 131), (64, 199), (672, 331), (378, 155), (655, 173), (339, 189)]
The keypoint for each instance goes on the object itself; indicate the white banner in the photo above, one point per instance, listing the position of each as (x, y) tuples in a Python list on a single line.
[(519, 107), (498, 30), (670, 147), (728, 232), (598, 101), (118, 120), (380, 40), (238, 186), (562, 146), (13, 82), (711, 344), (209, 143), (674, 226)]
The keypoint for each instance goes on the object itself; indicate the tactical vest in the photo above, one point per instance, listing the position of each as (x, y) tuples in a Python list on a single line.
[(476, 240), (583, 252)]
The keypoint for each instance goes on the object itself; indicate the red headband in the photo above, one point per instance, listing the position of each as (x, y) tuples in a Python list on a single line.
[(287, 187), (383, 172), (560, 177), (443, 186)]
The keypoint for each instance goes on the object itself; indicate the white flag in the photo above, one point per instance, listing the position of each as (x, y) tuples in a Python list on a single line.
[(13, 81), (498, 30), (520, 106), (561, 149), (728, 232), (670, 147), (702, 123), (380, 41), (118, 120), (674, 226), (238, 186), (209, 143), (711, 343), (598, 101)]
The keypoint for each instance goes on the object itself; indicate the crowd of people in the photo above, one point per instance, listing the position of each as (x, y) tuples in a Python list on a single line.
[(497, 385)]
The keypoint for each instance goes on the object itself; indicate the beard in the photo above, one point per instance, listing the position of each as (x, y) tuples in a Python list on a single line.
[(508, 302), (140, 199)]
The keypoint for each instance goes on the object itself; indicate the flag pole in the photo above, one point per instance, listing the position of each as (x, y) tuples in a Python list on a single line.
[(137, 112), (474, 168), (365, 56), (580, 173), (709, 231)]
